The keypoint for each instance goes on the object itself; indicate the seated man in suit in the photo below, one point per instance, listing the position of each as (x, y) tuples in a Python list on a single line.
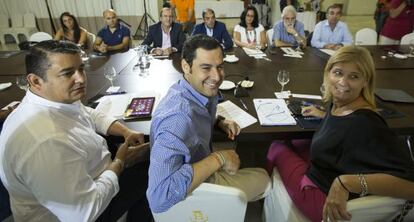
[(166, 36), (114, 36), (214, 29), (331, 33)]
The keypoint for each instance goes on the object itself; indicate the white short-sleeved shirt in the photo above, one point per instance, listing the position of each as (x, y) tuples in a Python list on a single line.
[(53, 163), (249, 35)]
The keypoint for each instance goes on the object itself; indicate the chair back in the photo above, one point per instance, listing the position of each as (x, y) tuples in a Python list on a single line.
[(90, 37), (366, 36), (4, 21), (405, 40), (278, 206), (209, 202), (269, 36), (40, 36), (29, 20), (374, 208), (16, 21)]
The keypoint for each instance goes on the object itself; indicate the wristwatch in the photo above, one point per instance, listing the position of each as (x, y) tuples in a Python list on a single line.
[(296, 34)]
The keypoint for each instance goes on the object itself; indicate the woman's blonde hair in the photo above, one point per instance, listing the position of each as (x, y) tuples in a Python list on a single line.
[(361, 57)]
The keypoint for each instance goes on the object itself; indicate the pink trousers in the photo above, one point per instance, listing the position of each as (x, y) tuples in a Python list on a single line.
[(292, 161)]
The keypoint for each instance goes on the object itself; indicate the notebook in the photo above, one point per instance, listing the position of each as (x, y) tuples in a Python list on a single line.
[(273, 112), (394, 95)]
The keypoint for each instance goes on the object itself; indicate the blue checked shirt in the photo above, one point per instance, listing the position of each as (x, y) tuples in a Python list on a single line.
[(323, 34), (280, 33), (181, 132)]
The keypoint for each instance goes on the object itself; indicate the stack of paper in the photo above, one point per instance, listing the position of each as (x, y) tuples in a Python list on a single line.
[(256, 53), (328, 51), (273, 112), (229, 110), (289, 52)]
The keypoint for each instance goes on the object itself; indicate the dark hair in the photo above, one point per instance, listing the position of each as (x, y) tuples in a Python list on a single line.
[(207, 10), (37, 61), (76, 28), (198, 41), (255, 22), (334, 6)]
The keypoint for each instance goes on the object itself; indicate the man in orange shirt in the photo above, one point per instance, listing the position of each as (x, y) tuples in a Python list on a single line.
[(184, 11)]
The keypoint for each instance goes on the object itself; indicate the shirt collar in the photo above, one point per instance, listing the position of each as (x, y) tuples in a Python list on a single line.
[(203, 100), (118, 26), (35, 99)]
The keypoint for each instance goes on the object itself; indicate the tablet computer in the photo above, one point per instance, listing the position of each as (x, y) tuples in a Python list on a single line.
[(138, 108)]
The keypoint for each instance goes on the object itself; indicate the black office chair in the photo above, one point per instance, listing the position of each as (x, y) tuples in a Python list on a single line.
[(309, 39), (5, 211)]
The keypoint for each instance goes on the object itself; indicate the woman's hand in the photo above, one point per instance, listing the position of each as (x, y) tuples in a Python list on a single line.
[(335, 203), (313, 111)]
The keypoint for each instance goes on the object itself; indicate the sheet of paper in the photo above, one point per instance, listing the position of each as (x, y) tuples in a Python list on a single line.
[(12, 104), (273, 112), (293, 55), (306, 96), (113, 89), (328, 51), (254, 52), (231, 111), (283, 94)]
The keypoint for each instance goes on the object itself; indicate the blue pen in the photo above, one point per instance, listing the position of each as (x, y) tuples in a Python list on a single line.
[(305, 103)]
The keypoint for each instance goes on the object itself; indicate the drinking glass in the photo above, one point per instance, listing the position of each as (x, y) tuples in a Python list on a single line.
[(84, 57), (283, 78), (143, 60), (21, 82), (110, 74)]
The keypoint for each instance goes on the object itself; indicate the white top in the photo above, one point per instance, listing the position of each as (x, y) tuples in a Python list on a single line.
[(53, 162), (249, 35)]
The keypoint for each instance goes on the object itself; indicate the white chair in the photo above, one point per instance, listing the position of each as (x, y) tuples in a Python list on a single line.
[(90, 37), (28, 28), (279, 207), (405, 40), (40, 36), (4, 28), (269, 36), (209, 202), (366, 36)]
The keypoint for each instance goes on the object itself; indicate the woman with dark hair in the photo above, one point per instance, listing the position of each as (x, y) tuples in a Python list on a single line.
[(249, 33), (70, 30)]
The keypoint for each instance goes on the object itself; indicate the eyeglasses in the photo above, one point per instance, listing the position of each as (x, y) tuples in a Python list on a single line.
[(289, 19)]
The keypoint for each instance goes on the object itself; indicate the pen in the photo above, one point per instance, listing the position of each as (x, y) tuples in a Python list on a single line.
[(115, 93), (244, 105)]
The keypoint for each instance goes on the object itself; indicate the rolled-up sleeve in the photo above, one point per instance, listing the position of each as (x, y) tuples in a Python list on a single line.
[(347, 37), (317, 38), (73, 195), (170, 172), (101, 121)]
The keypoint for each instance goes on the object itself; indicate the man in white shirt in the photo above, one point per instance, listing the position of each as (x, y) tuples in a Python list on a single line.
[(53, 162), (331, 33)]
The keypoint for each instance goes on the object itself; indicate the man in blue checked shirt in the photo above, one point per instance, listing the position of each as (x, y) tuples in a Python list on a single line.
[(182, 125), (331, 33), (288, 31)]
